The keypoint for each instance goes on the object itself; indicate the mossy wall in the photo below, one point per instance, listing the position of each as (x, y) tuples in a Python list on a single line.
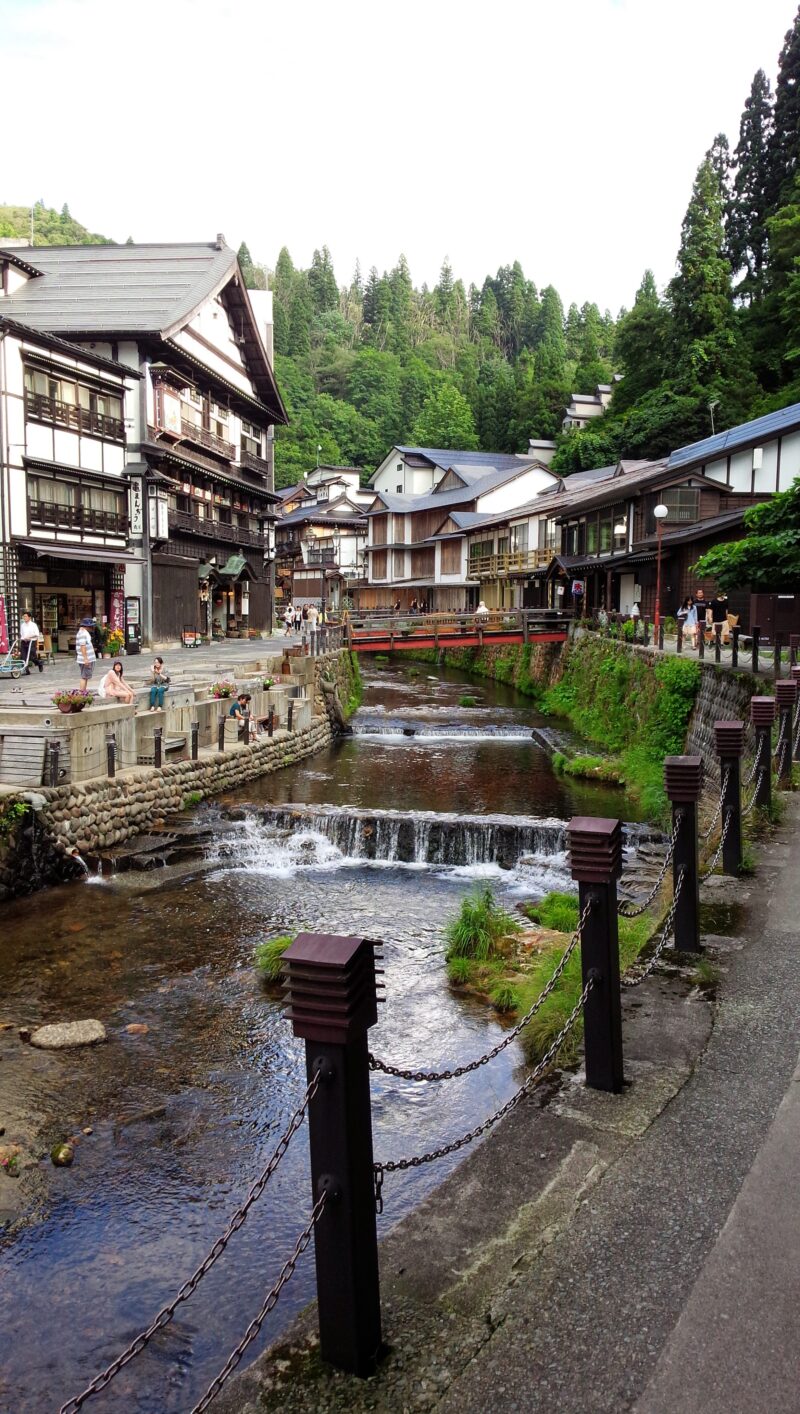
[(529, 667)]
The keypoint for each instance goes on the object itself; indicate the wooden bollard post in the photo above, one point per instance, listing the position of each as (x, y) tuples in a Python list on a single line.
[(661, 634), (756, 633), (701, 640), (271, 722), (195, 740), (683, 781), (244, 728), (646, 631), (158, 747), (794, 645), (290, 716), (762, 715), (332, 1002), (729, 739), (735, 631), (596, 859), (111, 755), (776, 655), (786, 700), (717, 643), (221, 733), (54, 751), (679, 643)]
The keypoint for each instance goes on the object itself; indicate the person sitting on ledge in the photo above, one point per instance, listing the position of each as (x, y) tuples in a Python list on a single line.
[(159, 684), (239, 708), (115, 687)]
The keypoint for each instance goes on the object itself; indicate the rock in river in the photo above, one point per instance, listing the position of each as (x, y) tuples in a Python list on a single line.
[(62, 1155), (68, 1033)]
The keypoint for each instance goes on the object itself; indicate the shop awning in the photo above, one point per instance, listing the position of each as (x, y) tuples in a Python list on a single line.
[(81, 551)]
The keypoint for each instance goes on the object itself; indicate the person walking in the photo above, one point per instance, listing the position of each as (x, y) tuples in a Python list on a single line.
[(298, 618), (687, 615), (29, 638), (718, 612), (288, 619), (313, 615), (86, 656)]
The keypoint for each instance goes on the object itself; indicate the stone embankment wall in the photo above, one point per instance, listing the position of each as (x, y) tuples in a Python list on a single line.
[(93, 815), (529, 667), (724, 696)]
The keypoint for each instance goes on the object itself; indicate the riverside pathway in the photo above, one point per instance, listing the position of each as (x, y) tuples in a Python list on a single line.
[(639, 1252)]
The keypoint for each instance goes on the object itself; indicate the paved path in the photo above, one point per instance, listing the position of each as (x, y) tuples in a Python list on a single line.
[(651, 1263), (212, 660)]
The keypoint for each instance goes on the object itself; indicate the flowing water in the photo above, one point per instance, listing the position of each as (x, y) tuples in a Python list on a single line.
[(389, 831)]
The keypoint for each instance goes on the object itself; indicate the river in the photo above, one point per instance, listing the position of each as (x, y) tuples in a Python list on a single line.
[(184, 1115)]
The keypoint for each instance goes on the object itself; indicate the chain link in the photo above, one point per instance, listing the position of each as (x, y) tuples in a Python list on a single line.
[(779, 746), (750, 777), (398, 1165), (754, 797), (631, 911), (432, 1075), (726, 773), (714, 862), (633, 979), (167, 1312), (287, 1272)]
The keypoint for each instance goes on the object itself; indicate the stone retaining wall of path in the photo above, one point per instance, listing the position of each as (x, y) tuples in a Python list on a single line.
[(93, 815)]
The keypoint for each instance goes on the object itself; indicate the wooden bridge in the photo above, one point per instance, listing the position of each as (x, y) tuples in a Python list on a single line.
[(389, 633)]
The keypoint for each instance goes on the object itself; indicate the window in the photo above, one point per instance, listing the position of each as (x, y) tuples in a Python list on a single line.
[(322, 493), (606, 530), (619, 515), (591, 535), (548, 535), (400, 489), (683, 503), (519, 537), (65, 400), (194, 396), (251, 438)]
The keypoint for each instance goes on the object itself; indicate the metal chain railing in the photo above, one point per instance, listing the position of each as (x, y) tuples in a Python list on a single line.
[(375, 1063), (796, 740), (750, 777), (635, 911), (718, 851), (398, 1165), (746, 809), (781, 742), (633, 978), (706, 833), (784, 745), (286, 1273), (167, 1312)]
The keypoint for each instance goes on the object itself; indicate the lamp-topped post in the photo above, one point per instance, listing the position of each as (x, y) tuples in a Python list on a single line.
[(661, 512)]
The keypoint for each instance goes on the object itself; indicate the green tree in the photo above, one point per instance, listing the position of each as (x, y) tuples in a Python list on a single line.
[(643, 345), (322, 282), (301, 311), (749, 201), (784, 141), (768, 558), (446, 421)]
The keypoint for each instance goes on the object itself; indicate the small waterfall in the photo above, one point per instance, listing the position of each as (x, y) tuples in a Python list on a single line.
[(435, 733)]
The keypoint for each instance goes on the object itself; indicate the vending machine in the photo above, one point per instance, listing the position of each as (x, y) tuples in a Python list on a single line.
[(133, 625)]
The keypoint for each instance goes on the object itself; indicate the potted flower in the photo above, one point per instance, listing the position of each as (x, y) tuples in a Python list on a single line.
[(268, 683), (115, 641), (71, 701), (224, 688)]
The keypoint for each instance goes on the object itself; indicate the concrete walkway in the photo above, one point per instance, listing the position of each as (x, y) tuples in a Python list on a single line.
[(605, 1253)]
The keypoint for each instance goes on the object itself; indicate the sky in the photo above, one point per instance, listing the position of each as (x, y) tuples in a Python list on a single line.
[(565, 136)]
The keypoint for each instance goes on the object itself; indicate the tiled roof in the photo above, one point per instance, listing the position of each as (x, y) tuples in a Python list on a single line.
[(746, 434), (478, 486), (51, 341)]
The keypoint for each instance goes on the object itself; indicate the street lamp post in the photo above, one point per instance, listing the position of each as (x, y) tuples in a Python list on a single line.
[(660, 513)]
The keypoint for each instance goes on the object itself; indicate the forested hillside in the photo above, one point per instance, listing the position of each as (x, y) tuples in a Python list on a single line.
[(379, 361), (50, 227)]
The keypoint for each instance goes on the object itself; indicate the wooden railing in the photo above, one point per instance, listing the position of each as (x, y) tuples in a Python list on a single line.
[(508, 562), (43, 409), (190, 432), (50, 513), (215, 529), (250, 462)]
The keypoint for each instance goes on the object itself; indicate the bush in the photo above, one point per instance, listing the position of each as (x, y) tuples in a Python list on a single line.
[(467, 701), (268, 957), (504, 996), (480, 928), (459, 970), (556, 911)]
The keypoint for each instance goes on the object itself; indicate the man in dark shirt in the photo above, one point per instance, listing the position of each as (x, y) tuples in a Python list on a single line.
[(719, 613)]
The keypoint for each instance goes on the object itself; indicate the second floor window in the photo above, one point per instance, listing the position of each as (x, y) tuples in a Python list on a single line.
[(251, 438), (64, 400)]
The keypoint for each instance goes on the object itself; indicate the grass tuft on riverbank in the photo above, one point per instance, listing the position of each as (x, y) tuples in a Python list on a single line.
[(481, 930), (513, 972)]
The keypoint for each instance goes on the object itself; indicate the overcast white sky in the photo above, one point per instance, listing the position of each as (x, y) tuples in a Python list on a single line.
[(562, 135)]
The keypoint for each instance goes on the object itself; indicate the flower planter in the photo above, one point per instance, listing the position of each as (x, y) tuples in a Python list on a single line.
[(69, 707)]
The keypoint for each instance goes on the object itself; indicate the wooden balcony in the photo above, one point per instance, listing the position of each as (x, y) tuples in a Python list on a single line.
[(58, 517), (184, 521), (40, 408), (201, 437), (508, 562), (250, 462)]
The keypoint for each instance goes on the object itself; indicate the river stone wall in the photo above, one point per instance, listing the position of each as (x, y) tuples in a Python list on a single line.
[(88, 816), (724, 696)]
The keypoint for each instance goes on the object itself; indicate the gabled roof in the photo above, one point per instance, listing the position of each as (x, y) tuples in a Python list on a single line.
[(140, 290), (287, 492), (445, 459), (747, 434), (340, 510), (698, 529), (465, 495)]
